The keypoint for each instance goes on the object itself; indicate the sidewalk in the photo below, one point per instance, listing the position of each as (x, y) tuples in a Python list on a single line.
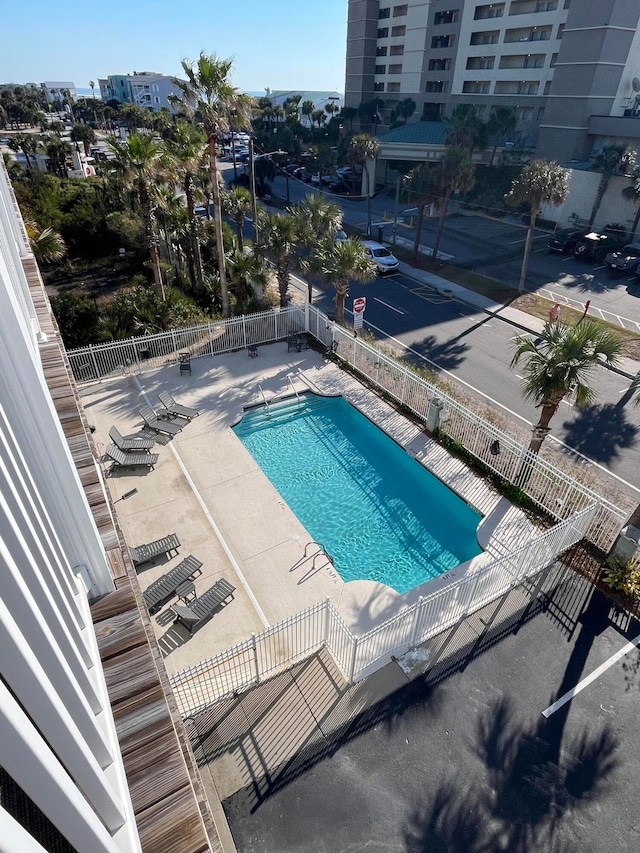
[(519, 319)]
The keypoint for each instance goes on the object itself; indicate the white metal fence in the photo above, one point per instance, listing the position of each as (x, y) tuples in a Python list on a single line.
[(294, 639), (548, 486), (139, 354)]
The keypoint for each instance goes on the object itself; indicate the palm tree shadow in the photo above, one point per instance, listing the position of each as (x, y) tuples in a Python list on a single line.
[(447, 355), (601, 432)]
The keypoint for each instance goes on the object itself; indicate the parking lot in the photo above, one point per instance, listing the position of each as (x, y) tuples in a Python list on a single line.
[(461, 758)]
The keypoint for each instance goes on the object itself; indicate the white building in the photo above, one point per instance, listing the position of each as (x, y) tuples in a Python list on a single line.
[(318, 99), (58, 91), (147, 89), (77, 771)]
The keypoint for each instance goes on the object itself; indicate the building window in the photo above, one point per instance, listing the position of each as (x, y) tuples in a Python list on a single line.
[(393, 87), (525, 88), (395, 69), (480, 62), (381, 69), (398, 31), (436, 86), (493, 10), (449, 17), (560, 31), (383, 32), (381, 51), (156, 99), (547, 87), (567, 4), (476, 87), (439, 64), (442, 41), (378, 87), (400, 11), (486, 37), (554, 59), (384, 13), (397, 50)]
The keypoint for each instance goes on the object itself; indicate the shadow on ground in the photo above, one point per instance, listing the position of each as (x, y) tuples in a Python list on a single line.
[(601, 432)]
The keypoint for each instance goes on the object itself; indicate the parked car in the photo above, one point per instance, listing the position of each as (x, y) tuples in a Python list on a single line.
[(626, 260), (596, 245), (381, 256), (340, 236), (334, 185), (566, 240)]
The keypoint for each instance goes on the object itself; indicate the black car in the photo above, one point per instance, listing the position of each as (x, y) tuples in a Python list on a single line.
[(566, 240), (595, 245)]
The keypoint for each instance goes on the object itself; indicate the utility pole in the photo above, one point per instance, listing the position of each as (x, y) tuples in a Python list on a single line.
[(252, 186), (395, 213)]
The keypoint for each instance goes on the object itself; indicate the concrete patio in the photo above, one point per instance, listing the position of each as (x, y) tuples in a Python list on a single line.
[(208, 490)]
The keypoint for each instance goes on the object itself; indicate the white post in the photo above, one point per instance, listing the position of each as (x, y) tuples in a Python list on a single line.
[(352, 665), (255, 658), (244, 330), (416, 622), (327, 617)]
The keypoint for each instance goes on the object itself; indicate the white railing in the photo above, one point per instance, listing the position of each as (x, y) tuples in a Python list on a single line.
[(285, 644), (139, 354), (552, 489)]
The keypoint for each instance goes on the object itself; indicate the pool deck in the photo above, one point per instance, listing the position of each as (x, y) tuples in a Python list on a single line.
[(208, 490)]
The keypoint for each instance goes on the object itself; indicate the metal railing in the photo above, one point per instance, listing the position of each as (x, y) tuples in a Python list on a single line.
[(139, 354), (297, 637)]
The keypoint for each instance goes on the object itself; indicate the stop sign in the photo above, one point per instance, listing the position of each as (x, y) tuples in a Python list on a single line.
[(359, 305)]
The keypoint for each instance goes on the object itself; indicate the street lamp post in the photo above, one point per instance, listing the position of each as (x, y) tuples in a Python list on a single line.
[(252, 183)]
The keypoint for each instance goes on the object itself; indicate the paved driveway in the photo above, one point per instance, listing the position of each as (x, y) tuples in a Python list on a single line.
[(461, 759)]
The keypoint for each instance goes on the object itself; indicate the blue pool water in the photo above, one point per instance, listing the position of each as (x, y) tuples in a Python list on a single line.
[(377, 511)]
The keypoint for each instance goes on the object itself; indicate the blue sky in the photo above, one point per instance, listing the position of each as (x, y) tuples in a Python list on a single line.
[(275, 43)]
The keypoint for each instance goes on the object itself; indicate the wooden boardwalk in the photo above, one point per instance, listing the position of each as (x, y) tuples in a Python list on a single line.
[(170, 806)]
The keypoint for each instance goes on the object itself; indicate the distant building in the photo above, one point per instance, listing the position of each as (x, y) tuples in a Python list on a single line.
[(146, 89), (319, 100), (58, 91)]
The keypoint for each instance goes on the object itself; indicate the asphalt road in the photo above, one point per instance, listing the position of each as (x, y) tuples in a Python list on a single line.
[(462, 759), (477, 349)]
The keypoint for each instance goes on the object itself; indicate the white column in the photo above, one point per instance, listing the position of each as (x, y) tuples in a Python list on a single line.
[(15, 837)]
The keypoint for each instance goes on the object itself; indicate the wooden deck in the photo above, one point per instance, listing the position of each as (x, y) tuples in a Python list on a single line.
[(171, 809)]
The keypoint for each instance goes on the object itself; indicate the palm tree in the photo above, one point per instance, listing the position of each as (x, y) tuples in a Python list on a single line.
[(612, 160), (339, 264), (405, 109), (208, 91), (502, 122), (363, 148), (237, 204), (456, 173), (137, 160), (540, 182), (85, 134), (25, 142), (278, 241), (186, 150), (560, 363), (46, 244), (633, 192), (466, 129), (307, 109), (316, 219), (57, 150), (420, 186), (246, 269), (349, 113), (318, 116), (92, 86)]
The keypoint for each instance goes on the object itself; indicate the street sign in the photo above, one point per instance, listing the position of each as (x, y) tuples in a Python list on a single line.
[(359, 305), (357, 320)]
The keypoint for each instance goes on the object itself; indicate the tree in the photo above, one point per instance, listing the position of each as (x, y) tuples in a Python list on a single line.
[(362, 149), (307, 109), (77, 319), (559, 364), (348, 114), (456, 173), (246, 269), (340, 263), (421, 188), (236, 203), (316, 219), (134, 117), (25, 142), (633, 192), (57, 150), (85, 134), (465, 129), (502, 122), (540, 182), (278, 240), (405, 109), (186, 150), (46, 244), (319, 117), (92, 86), (612, 160), (208, 91), (137, 160)]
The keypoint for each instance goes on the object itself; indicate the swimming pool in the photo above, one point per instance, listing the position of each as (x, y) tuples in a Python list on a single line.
[(380, 514)]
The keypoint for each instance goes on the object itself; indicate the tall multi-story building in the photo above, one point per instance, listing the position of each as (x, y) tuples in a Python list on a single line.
[(555, 62), (58, 91), (147, 89), (93, 755)]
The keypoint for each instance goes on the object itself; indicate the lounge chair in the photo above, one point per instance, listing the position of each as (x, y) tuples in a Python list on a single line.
[(157, 424), (292, 343), (119, 457), (130, 444), (184, 360), (202, 608), (143, 553), (176, 408), (165, 587)]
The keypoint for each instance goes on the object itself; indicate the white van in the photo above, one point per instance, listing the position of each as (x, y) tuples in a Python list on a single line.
[(381, 256)]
